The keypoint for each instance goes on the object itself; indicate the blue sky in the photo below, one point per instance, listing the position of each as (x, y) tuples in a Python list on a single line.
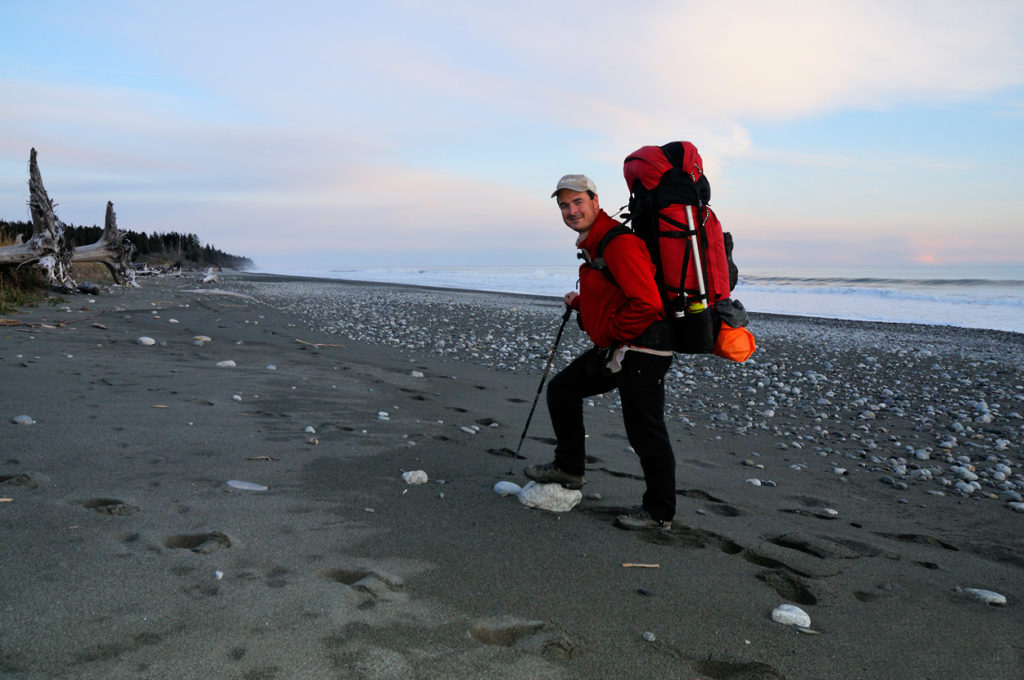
[(322, 134)]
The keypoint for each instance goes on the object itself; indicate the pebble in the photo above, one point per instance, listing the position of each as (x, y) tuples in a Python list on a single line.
[(310, 429), (383, 415), (982, 595), (202, 338), (415, 477), (648, 636), (504, 488), (245, 486), (146, 341), (417, 374), (1015, 506), (229, 363), (236, 397), (791, 615), (23, 420)]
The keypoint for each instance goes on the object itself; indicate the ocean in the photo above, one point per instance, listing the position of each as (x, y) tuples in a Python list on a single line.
[(990, 297)]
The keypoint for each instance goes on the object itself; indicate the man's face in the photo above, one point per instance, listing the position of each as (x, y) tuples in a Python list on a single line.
[(579, 210)]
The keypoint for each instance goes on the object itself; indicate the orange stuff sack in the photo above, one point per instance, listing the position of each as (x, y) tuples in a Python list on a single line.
[(735, 344)]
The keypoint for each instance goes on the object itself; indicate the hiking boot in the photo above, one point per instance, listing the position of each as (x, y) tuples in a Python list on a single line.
[(641, 520), (549, 473)]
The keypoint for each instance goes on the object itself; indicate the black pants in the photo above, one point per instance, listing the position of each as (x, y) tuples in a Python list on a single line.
[(642, 390)]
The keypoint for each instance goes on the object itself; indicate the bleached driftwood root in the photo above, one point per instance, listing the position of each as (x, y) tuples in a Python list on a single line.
[(112, 250), (47, 249)]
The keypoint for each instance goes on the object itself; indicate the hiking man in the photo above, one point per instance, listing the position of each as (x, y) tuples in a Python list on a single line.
[(620, 313)]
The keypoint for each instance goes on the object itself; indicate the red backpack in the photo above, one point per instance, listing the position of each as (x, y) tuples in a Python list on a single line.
[(692, 256), (668, 207)]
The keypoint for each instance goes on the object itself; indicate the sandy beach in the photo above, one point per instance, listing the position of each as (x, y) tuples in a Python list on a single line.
[(869, 474)]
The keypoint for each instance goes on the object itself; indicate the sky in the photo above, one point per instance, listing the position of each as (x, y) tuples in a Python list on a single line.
[(319, 135)]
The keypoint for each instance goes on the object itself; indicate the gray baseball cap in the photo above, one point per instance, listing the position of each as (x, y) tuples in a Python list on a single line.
[(575, 183)]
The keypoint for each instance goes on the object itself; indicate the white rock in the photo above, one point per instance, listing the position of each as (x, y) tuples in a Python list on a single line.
[(791, 615), (1015, 506), (467, 430), (383, 415), (986, 596), (245, 486), (310, 429), (23, 420), (963, 473), (964, 487), (271, 367), (146, 341), (226, 364), (550, 497), (202, 338), (754, 481), (417, 374), (415, 477), (504, 488), (172, 321)]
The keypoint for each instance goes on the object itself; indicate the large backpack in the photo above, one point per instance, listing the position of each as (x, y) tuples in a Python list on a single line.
[(695, 273)]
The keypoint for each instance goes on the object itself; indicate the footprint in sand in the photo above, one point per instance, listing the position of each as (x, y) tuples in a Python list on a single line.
[(198, 543), (539, 637), (788, 585), (374, 583), (110, 506), (754, 670), (18, 480)]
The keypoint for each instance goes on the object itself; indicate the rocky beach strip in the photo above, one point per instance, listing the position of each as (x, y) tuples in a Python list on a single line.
[(229, 501), (932, 406)]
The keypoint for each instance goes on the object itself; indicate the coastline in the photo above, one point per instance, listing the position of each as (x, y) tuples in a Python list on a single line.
[(120, 520)]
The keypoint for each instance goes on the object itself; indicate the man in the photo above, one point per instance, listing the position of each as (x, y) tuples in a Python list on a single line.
[(616, 307)]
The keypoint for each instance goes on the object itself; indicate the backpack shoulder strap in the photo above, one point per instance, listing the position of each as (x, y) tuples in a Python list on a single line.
[(597, 261)]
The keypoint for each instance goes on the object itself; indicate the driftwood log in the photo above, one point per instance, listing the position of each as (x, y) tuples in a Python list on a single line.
[(49, 249)]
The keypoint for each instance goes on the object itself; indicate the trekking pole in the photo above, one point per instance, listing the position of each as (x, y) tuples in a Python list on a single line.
[(540, 388), (696, 257)]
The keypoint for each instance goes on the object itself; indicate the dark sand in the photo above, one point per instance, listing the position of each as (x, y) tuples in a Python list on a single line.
[(123, 554)]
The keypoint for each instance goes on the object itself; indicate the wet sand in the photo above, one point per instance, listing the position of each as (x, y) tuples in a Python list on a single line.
[(124, 553)]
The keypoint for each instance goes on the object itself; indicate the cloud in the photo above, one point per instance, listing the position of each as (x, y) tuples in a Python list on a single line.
[(395, 126)]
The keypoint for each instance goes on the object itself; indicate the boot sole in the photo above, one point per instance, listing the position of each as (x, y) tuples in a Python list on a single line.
[(572, 486)]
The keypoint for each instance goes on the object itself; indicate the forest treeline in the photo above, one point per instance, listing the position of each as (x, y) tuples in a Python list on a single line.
[(172, 248)]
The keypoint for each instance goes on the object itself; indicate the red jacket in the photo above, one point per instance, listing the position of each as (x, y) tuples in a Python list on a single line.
[(612, 314)]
